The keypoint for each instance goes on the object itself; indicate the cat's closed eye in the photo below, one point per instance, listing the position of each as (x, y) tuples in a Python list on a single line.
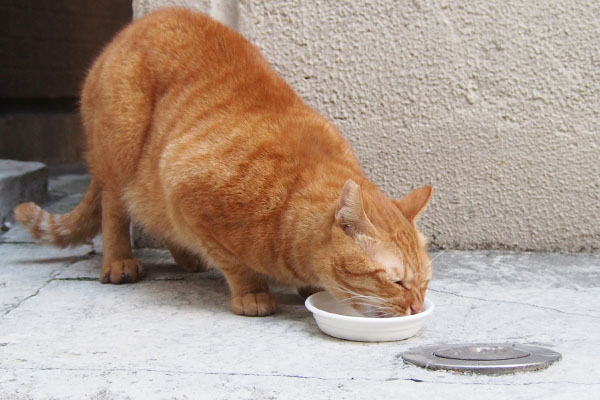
[(402, 284)]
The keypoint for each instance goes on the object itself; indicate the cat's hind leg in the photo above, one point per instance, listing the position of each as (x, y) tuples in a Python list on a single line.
[(118, 265), (187, 260)]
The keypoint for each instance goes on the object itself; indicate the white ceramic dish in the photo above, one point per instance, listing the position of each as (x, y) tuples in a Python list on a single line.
[(342, 321)]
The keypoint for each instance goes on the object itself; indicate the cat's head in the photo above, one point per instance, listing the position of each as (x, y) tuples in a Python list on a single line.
[(388, 271)]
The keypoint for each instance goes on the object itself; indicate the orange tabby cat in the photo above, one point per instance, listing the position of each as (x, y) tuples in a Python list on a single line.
[(192, 134)]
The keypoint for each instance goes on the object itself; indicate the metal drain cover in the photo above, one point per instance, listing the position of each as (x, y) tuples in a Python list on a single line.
[(482, 358)]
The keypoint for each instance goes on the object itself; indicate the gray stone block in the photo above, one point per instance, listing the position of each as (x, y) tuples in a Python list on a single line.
[(21, 182)]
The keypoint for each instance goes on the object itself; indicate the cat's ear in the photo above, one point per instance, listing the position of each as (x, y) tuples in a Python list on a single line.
[(350, 214), (413, 204)]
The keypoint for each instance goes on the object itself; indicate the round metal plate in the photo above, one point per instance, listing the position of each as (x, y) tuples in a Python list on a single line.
[(482, 358), (481, 353)]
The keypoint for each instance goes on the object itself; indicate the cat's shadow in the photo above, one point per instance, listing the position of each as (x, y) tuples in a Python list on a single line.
[(50, 260), (210, 289), (168, 284), (158, 270)]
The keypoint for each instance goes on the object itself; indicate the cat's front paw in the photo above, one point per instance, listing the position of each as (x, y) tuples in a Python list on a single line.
[(254, 304), (122, 271)]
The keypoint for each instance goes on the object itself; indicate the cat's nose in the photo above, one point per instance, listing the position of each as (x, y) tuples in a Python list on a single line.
[(416, 308)]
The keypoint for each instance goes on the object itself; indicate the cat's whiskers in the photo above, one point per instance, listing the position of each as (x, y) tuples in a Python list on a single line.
[(354, 294), (373, 303), (434, 258)]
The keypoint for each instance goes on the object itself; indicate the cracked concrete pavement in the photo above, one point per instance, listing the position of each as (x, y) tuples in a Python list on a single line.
[(172, 336)]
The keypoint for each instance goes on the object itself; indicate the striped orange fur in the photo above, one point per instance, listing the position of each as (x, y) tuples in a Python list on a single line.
[(192, 134)]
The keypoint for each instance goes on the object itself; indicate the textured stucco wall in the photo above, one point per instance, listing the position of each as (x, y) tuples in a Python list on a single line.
[(494, 102)]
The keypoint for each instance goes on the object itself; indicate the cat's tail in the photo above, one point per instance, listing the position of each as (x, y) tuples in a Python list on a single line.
[(76, 227)]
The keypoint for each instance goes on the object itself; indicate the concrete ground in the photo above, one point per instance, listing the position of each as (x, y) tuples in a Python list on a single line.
[(172, 336)]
